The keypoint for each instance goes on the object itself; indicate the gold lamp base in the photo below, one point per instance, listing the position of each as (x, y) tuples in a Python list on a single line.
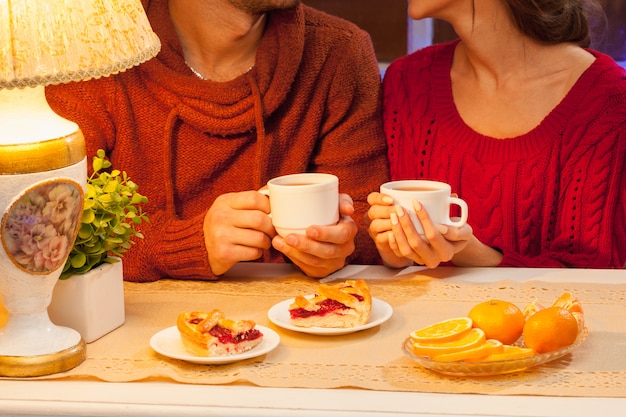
[(28, 366)]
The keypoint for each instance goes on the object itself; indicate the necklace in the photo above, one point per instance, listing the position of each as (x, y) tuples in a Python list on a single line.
[(196, 73), (202, 77)]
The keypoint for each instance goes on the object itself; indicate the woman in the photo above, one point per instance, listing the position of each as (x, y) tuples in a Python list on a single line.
[(526, 124)]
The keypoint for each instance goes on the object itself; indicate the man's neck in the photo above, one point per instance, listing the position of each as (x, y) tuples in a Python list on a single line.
[(219, 41)]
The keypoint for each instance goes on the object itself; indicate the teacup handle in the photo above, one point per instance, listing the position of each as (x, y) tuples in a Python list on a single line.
[(266, 192), (463, 205)]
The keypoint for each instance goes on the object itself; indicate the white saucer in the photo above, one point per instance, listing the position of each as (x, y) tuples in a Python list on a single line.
[(167, 342), (279, 315)]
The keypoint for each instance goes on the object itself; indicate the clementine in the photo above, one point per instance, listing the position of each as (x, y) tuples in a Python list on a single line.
[(550, 329), (532, 308), (500, 320), (569, 302), (4, 314)]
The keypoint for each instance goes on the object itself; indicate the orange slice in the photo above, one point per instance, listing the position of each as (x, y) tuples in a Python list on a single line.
[(509, 352), (489, 347), (467, 340), (442, 331)]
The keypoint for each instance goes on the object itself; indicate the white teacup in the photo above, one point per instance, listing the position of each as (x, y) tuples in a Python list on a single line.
[(298, 201), (433, 195)]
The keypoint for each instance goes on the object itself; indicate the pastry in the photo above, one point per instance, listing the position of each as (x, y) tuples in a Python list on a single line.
[(343, 305), (212, 334)]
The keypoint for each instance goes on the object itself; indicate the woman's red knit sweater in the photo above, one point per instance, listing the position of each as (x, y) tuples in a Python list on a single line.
[(552, 197), (311, 103)]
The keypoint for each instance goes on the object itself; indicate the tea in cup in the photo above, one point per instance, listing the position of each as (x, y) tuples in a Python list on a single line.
[(434, 196), (298, 201)]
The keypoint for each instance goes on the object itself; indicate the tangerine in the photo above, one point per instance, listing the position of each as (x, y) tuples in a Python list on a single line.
[(442, 331), (550, 329), (500, 320), (4, 314), (573, 305), (569, 302), (532, 308), (466, 340)]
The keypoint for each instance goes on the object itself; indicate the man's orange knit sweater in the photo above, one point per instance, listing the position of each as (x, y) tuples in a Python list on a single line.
[(311, 103)]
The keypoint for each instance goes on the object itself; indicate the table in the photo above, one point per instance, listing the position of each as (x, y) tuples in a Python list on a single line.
[(74, 394)]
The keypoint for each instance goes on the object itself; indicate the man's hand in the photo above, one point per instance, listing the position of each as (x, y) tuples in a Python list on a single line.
[(237, 228), (324, 249)]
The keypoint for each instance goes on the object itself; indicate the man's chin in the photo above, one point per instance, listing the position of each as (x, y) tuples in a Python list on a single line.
[(264, 6)]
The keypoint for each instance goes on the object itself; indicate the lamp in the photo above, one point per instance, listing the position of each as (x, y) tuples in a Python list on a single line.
[(43, 166)]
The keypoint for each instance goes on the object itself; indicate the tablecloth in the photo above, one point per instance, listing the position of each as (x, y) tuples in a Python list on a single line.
[(371, 359)]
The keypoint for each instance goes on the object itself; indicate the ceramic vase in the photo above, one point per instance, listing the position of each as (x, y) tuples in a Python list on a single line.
[(91, 303)]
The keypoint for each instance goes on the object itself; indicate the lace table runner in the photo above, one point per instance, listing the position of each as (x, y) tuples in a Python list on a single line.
[(370, 359)]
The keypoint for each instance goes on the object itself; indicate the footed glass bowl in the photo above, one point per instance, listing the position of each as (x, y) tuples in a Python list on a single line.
[(462, 368)]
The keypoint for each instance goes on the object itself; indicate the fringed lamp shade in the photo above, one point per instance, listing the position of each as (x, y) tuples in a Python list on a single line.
[(43, 166), (45, 42)]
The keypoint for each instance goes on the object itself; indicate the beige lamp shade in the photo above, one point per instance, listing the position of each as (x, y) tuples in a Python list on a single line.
[(45, 42)]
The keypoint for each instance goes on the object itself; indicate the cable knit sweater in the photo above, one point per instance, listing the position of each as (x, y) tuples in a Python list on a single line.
[(311, 103), (553, 197)]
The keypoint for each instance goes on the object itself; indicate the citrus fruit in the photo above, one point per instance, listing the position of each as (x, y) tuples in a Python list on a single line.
[(442, 331), (482, 350), (500, 320), (4, 314), (466, 340), (573, 305), (550, 329), (532, 308), (509, 352), (568, 302)]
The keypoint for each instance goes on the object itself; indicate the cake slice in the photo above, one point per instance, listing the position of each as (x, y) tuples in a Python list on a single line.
[(212, 334), (343, 305)]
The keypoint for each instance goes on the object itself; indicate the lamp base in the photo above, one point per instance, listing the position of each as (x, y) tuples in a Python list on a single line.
[(42, 174), (31, 345), (26, 366)]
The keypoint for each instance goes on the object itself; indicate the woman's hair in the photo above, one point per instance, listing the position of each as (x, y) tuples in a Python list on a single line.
[(582, 22)]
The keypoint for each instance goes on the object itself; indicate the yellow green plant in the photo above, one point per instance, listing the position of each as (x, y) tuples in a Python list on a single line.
[(112, 213)]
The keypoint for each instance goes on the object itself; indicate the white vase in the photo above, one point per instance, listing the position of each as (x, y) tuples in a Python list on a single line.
[(91, 303)]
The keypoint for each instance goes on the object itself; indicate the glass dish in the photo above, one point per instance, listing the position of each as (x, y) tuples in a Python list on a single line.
[(462, 368)]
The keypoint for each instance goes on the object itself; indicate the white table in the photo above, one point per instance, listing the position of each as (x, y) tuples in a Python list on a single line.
[(91, 398)]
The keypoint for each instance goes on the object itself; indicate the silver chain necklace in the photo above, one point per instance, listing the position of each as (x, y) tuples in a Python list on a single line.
[(202, 77)]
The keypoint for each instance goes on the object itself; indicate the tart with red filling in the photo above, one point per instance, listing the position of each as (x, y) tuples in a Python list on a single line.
[(343, 305), (212, 334)]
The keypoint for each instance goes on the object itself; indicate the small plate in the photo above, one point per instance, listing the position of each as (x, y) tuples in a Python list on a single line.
[(167, 342), (279, 315), (461, 368)]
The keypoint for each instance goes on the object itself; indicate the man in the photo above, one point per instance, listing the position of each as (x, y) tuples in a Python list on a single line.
[(241, 92)]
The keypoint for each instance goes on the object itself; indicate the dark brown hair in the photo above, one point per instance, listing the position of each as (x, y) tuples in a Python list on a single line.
[(582, 22)]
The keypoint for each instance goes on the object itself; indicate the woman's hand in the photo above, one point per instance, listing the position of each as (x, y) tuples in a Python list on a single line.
[(380, 229), (439, 243)]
